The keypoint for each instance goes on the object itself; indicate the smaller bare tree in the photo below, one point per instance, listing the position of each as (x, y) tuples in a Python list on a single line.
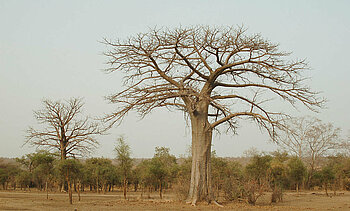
[(322, 138), (310, 139), (295, 134), (64, 129)]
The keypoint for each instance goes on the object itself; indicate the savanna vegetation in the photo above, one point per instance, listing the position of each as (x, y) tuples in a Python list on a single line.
[(216, 77), (243, 179)]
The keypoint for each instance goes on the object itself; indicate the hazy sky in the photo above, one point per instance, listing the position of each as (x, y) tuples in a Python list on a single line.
[(52, 49)]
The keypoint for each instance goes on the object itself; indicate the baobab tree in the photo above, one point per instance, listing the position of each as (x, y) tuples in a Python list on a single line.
[(216, 76), (65, 130)]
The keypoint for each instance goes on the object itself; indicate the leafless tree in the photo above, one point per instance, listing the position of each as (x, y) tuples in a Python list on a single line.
[(216, 76), (309, 139), (293, 138), (64, 128), (322, 138)]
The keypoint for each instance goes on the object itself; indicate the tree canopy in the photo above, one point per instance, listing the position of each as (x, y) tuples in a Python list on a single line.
[(215, 75), (64, 129), (175, 68)]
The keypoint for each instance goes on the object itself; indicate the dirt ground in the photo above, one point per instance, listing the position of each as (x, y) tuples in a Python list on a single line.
[(34, 200)]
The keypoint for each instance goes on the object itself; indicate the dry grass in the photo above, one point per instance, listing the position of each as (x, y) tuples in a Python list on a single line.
[(20, 200)]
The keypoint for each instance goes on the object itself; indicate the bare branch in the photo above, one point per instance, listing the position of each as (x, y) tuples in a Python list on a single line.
[(192, 69), (64, 129)]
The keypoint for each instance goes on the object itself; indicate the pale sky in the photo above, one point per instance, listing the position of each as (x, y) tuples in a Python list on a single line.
[(51, 49)]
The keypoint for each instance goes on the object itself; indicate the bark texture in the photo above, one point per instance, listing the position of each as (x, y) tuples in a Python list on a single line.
[(200, 186)]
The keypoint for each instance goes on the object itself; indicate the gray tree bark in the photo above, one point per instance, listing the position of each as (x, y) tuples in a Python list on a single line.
[(200, 186)]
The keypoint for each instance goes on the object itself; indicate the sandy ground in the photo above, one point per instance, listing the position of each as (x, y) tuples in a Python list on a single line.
[(20, 200)]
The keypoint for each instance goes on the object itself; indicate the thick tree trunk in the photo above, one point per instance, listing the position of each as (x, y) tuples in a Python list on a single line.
[(63, 146), (200, 186)]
